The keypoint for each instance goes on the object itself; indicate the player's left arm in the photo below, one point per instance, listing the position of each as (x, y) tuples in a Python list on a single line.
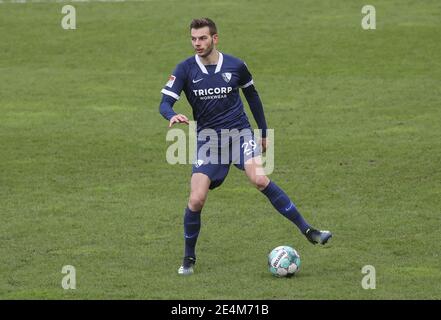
[(253, 99)]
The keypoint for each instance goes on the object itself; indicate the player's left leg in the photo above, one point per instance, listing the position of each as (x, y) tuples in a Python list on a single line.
[(281, 202)]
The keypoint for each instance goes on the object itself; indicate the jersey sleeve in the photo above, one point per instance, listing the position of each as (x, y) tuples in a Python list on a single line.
[(245, 78), (175, 83)]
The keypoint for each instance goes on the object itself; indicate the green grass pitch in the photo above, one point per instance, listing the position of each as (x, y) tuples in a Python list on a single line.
[(84, 180)]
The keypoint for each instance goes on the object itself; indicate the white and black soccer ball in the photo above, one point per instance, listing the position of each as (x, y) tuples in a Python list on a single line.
[(284, 261)]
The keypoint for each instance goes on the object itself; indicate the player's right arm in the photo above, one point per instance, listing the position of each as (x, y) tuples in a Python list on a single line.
[(166, 109), (171, 93)]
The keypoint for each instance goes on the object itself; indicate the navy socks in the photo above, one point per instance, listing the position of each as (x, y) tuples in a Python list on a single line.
[(285, 206), (192, 225), (277, 197)]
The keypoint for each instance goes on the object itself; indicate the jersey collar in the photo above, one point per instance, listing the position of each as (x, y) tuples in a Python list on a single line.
[(218, 66)]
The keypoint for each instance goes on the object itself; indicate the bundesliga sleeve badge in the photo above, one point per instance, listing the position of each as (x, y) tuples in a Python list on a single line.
[(170, 81)]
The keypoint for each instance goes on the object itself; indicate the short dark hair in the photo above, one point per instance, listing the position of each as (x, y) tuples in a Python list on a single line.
[(204, 22)]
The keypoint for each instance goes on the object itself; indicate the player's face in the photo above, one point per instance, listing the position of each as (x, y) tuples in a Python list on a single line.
[(202, 42)]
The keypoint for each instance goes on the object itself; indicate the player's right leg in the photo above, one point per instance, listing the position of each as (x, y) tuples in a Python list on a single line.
[(207, 174), (199, 187)]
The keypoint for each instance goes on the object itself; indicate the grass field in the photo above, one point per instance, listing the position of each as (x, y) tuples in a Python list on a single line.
[(84, 180)]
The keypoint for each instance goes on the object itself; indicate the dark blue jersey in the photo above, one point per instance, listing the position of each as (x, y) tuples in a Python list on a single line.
[(212, 91)]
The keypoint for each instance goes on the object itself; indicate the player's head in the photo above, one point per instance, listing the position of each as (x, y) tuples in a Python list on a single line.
[(203, 36)]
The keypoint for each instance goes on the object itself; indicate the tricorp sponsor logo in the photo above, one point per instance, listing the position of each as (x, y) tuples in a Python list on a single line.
[(213, 91)]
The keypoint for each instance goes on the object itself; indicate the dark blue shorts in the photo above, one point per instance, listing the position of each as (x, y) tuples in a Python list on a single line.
[(215, 155)]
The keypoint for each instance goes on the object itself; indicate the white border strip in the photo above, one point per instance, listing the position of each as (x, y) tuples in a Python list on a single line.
[(170, 93), (200, 64), (219, 62), (246, 85)]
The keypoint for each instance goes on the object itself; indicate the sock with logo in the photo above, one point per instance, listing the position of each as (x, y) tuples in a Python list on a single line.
[(285, 206), (192, 225)]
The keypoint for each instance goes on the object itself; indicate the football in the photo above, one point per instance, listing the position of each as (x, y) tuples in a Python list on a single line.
[(283, 261)]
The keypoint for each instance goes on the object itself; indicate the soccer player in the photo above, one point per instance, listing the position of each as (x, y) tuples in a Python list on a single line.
[(211, 82)]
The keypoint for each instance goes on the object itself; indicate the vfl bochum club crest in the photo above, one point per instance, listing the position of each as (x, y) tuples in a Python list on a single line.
[(226, 76)]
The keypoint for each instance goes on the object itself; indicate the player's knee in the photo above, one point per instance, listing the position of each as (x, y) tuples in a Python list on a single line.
[(196, 202), (261, 182)]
